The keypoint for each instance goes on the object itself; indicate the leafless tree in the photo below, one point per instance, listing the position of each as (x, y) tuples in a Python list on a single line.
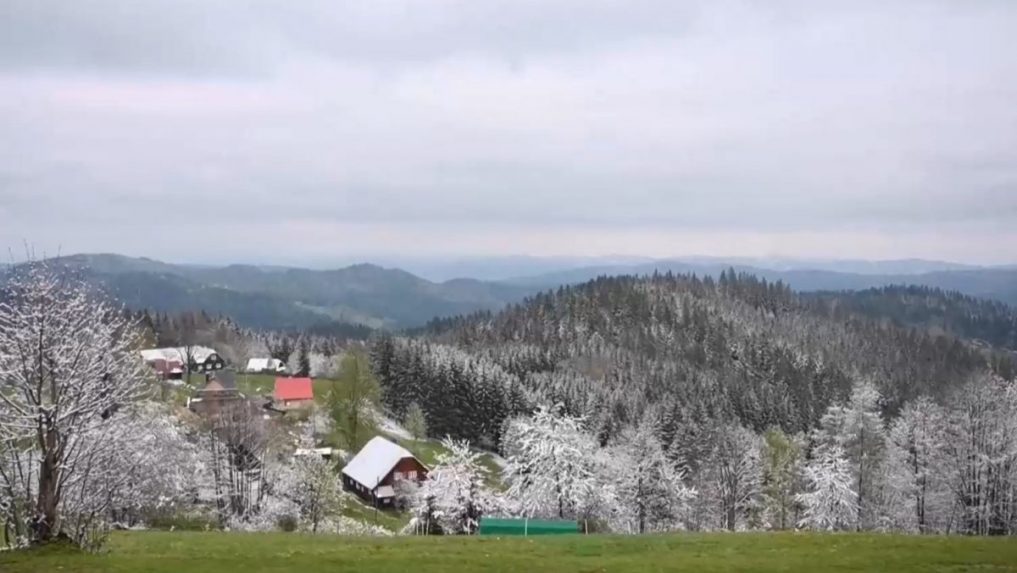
[(236, 443)]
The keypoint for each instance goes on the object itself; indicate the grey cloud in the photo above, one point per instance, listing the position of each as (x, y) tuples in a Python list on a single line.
[(209, 37), (610, 118)]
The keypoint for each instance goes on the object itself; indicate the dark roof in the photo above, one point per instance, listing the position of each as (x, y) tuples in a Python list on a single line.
[(212, 386), (226, 378)]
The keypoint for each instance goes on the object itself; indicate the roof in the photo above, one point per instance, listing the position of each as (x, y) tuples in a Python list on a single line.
[(260, 364), (374, 461), (385, 491), (227, 378), (322, 452), (213, 386), (198, 354), (293, 389)]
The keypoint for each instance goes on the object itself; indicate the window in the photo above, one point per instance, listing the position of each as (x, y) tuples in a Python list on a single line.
[(398, 476), (412, 474)]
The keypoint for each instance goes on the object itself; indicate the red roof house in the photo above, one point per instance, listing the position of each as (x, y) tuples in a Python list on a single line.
[(293, 393)]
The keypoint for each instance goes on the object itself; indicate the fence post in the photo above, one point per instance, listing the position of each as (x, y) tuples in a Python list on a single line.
[(526, 527)]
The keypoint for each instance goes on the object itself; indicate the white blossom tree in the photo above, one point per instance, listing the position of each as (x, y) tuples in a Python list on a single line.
[(67, 366), (455, 495), (731, 476), (552, 466), (317, 490), (650, 492), (157, 464), (829, 504)]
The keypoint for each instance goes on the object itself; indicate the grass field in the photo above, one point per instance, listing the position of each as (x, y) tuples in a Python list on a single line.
[(364, 512), (159, 552)]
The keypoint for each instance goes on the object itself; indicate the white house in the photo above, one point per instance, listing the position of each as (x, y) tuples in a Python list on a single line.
[(265, 365)]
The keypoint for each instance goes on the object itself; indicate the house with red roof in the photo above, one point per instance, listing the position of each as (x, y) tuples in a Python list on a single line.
[(293, 393)]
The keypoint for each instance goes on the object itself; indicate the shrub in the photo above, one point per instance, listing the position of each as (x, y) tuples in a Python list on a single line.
[(287, 523)]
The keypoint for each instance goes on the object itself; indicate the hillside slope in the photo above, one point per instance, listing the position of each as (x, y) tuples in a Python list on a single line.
[(934, 310), (738, 348)]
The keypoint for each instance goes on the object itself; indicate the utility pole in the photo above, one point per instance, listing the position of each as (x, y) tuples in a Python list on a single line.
[(377, 483)]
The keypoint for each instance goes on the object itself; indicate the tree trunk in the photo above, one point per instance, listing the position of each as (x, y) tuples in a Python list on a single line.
[(45, 520)]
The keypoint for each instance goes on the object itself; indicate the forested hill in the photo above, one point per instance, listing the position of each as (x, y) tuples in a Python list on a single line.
[(389, 298), (935, 310), (290, 298), (696, 349)]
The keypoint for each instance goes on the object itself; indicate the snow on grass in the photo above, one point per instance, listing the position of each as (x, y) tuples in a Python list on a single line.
[(393, 428)]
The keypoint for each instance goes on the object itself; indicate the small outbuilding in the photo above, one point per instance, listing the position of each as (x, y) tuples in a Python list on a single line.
[(220, 390), (378, 468)]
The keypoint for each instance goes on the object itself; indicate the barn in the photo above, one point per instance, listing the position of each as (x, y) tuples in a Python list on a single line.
[(378, 467)]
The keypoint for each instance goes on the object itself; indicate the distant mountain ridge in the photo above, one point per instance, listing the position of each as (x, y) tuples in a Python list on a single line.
[(997, 283), (279, 297), (510, 268)]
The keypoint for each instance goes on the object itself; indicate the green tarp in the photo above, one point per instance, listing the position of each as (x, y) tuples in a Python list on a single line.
[(494, 526)]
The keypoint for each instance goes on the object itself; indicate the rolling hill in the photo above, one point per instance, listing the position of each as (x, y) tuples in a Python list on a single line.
[(393, 299), (998, 283), (275, 297)]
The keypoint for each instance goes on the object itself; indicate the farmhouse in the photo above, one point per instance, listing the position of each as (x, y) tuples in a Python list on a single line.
[(173, 362), (293, 393), (265, 365), (375, 471), (220, 389)]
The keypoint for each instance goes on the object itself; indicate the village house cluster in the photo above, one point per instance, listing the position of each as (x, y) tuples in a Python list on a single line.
[(374, 473), (219, 381)]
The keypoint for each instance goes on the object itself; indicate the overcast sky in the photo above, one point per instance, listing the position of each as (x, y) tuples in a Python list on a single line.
[(281, 131)]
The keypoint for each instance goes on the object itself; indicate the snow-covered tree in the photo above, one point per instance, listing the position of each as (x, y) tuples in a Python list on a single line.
[(731, 477), (67, 366), (323, 365), (919, 500), (454, 496), (317, 490), (981, 455), (649, 490), (552, 469), (157, 464), (829, 504), (857, 429)]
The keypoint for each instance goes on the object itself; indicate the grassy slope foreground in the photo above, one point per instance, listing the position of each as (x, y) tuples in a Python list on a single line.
[(254, 553)]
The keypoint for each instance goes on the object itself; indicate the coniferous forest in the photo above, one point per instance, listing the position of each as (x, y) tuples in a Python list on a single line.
[(884, 409)]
